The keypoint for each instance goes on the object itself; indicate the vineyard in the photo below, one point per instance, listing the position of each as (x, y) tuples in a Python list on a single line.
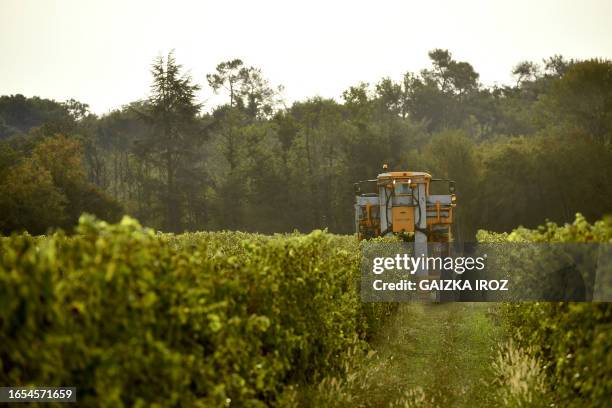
[(131, 317), (572, 341), (226, 204)]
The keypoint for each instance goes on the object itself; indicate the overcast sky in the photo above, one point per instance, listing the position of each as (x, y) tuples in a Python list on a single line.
[(99, 52)]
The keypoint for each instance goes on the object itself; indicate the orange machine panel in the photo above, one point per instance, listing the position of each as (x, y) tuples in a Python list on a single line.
[(403, 219)]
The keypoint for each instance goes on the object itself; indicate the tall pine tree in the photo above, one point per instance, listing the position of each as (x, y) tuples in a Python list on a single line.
[(171, 145)]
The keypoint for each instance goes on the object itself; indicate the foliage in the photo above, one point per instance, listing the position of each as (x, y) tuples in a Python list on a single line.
[(248, 90), (572, 339), (29, 199), (50, 189), (537, 149), (173, 134), (135, 318), (581, 100), (19, 114)]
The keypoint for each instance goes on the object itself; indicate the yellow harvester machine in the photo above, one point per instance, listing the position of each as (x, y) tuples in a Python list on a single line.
[(407, 203)]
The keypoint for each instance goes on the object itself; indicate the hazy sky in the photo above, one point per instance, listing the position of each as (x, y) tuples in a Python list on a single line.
[(99, 52)]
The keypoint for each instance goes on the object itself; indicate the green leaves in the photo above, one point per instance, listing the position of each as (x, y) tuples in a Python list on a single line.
[(573, 339), (134, 318)]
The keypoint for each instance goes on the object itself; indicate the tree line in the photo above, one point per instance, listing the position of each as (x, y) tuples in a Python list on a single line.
[(537, 149)]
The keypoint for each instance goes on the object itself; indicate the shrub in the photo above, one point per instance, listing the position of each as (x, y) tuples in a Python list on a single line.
[(572, 339), (134, 318)]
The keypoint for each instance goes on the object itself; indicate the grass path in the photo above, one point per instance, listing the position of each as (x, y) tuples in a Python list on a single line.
[(431, 355)]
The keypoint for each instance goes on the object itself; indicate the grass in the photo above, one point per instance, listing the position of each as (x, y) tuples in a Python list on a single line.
[(428, 355)]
